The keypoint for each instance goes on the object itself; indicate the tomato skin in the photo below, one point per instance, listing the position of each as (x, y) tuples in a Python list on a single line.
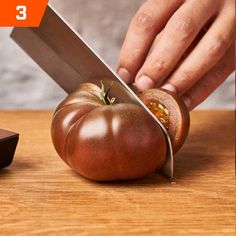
[(106, 142), (62, 122), (77, 104), (116, 142)]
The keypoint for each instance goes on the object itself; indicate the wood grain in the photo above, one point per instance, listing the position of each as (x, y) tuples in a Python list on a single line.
[(40, 195)]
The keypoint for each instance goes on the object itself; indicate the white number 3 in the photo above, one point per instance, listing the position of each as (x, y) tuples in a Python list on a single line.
[(21, 13)]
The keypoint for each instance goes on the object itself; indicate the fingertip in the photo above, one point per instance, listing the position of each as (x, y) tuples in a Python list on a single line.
[(125, 75), (170, 88), (144, 82), (188, 102)]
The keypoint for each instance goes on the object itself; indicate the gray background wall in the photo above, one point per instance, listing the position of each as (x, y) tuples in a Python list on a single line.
[(103, 23)]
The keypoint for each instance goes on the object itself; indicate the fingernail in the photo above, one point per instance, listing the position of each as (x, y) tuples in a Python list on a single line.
[(170, 88), (187, 102), (144, 82), (124, 75)]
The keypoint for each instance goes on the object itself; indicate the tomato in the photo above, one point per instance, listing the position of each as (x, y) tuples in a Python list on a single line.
[(106, 142)]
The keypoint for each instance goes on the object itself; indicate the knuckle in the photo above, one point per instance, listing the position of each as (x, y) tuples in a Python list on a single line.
[(184, 80), (144, 21), (158, 66), (217, 46), (130, 58), (186, 76), (183, 24)]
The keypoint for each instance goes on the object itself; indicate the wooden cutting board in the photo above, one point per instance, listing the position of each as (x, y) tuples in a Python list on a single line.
[(40, 195)]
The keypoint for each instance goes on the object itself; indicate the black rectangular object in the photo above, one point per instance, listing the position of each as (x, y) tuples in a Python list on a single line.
[(8, 143)]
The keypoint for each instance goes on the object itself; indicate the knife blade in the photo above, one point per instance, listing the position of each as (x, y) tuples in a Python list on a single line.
[(70, 61)]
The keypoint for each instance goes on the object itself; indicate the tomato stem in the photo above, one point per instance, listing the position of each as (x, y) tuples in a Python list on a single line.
[(104, 95)]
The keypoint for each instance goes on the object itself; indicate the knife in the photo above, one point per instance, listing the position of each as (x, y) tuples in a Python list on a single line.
[(70, 61)]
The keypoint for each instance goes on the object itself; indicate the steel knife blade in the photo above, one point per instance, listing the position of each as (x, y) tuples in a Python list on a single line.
[(70, 61)]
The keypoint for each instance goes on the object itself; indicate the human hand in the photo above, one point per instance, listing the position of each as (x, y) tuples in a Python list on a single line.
[(192, 47)]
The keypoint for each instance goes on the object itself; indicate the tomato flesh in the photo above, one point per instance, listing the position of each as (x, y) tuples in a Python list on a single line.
[(160, 111)]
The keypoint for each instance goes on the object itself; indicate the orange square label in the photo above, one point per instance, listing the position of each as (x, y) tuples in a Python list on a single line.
[(22, 13)]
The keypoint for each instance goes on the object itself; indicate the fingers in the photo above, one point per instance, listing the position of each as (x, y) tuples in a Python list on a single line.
[(204, 87), (178, 35), (147, 23), (205, 55)]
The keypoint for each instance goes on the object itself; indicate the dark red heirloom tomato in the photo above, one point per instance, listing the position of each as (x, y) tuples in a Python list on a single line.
[(106, 142)]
